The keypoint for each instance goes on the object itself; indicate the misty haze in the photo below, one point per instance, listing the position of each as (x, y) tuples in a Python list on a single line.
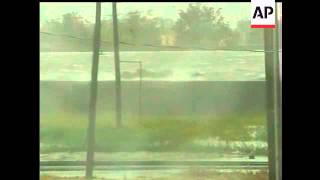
[(193, 88)]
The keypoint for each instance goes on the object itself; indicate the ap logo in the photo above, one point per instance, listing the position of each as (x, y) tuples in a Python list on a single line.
[(263, 14)]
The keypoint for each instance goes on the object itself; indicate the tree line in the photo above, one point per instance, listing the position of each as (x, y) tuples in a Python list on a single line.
[(197, 26)]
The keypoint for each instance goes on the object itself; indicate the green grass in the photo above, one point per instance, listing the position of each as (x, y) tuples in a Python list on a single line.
[(67, 132)]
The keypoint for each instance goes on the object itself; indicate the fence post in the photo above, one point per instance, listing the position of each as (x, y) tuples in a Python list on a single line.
[(93, 94)]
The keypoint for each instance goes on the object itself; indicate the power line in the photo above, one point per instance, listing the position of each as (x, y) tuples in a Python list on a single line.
[(128, 13), (71, 36), (155, 46)]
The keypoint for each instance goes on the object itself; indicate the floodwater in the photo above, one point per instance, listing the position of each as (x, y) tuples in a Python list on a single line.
[(148, 156), (156, 65)]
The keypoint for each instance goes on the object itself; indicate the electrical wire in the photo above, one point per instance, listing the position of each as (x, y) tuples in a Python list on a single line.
[(156, 46)]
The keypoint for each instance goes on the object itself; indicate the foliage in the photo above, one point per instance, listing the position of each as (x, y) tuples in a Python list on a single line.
[(148, 134), (203, 26), (197, 26)]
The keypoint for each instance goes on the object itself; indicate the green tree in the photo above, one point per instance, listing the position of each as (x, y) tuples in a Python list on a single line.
[(73, 24), (135, 28), (202, 26), (52, 26)]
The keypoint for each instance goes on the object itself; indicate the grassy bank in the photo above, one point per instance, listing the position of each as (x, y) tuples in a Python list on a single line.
[(67, 132)]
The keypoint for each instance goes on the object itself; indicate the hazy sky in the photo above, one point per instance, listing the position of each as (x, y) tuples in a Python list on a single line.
[(232, 12)]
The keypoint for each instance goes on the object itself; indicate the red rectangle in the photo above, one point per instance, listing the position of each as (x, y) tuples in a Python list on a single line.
[(262, 26)]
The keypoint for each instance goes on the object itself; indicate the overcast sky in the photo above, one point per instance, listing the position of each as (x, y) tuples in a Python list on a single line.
[(232, 12)]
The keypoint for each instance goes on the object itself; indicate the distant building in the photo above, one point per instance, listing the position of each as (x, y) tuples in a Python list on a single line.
[(168, 39)]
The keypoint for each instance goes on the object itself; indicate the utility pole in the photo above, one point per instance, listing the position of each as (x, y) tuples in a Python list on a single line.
[(273, 100), (278, 98), (117, 65), (93, 94)]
